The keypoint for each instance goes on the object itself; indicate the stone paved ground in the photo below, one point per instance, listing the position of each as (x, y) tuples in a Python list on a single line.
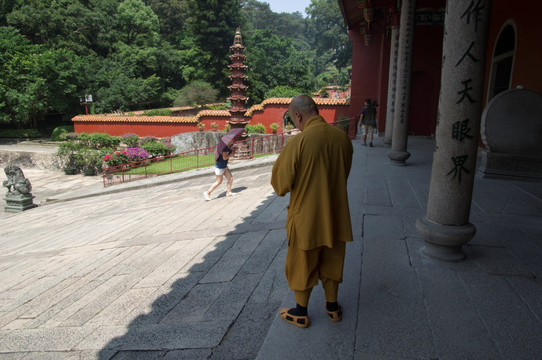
[(156, 270)]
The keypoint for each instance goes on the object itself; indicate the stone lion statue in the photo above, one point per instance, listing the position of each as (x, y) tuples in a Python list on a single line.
[(16, 182)]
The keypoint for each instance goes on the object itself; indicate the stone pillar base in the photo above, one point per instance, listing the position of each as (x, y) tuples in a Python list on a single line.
[(398, 158), (444, 242), (18, 202), (502, 165)]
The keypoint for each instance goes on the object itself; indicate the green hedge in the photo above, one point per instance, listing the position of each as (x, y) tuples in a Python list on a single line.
[(19, 133), (255, 129), (59, 132)]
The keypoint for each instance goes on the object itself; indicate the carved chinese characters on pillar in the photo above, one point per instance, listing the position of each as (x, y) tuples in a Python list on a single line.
[(470, 18), (407, 43)]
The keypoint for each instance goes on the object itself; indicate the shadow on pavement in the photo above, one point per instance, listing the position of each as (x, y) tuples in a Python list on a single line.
[(220, 304)]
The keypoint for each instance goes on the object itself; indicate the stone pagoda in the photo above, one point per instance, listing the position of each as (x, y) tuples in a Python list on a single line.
[(237, 88)]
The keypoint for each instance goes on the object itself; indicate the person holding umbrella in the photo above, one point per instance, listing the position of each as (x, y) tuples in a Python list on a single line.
[(224, 150)]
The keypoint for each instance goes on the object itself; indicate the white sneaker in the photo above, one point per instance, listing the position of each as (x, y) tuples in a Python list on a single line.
[(231, 194), (206, 196)]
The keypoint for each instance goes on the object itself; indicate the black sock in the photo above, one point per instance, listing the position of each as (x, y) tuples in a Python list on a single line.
[(332, 306), (298, 310)]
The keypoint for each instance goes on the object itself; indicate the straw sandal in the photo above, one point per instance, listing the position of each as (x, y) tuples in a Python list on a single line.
[(299, 321)]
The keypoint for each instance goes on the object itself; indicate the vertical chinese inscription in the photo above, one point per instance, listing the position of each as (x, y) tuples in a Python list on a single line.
[(469, 18)]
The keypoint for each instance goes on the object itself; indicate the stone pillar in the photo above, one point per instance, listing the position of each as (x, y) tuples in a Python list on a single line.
[(392, 81), (446, 227), (398, 153)]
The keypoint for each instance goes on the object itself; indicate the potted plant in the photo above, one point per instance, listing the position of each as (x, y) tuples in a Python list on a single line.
[(89, 160), (274, 127), (201, 126), (69, 156), (227, 128), (214, 125)]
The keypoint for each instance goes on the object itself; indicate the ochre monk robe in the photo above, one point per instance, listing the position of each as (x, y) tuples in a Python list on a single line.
[(314, 168)]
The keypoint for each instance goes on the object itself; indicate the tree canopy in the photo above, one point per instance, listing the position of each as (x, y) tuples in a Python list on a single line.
[(139, 54)]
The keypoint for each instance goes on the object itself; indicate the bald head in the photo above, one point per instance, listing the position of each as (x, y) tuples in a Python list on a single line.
[(302, 108)]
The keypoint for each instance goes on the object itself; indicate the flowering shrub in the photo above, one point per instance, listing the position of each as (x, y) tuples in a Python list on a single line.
[(116, 158), (148, 139), (156, 149), (71, 136), (136, 154), (259, 128), (168, 144), (132, 140)]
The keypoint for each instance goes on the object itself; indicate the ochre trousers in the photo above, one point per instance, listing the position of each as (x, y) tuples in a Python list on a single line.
[(304, 267)]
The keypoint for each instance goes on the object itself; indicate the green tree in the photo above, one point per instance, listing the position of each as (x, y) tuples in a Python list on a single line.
[(172, 15), (273, 61), (35, 80), (212, 25), (117, 88), (283, 91), (327, 35), (137, 23), (196, 93), (259, 16)]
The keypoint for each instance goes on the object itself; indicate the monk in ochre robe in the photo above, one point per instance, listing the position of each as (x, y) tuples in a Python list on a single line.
[(314, 168)]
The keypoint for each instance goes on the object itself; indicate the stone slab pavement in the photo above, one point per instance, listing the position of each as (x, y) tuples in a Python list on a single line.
[(149, 270)]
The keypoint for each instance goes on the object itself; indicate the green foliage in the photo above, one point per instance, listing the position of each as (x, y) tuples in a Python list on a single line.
[(100, 140), (283, 91), (158, 112), (255, 129), (96, 140), (212, 25), (137, 23), (89, 159), (224, 106), (274, 61), (19, 133), (131, 140), (138, 54), (68, 153), (115, 158), (328, 35), (196, 93), (156, 149)]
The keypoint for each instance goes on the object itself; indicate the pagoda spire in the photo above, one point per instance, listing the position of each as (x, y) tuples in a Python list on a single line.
[(237, 88)]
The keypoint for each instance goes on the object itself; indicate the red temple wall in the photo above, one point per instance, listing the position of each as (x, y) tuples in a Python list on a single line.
[(526, 20), (270, 113), (140, 129)]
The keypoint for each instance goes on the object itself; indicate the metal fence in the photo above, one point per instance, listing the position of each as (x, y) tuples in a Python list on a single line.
[(188, 160)]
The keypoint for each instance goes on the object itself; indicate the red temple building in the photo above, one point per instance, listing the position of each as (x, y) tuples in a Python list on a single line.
[(466, 72)]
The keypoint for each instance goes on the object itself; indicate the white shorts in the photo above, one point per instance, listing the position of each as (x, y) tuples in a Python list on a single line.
[(219, 171)]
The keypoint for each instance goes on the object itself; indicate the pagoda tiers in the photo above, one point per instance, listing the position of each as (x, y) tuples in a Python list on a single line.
[(237, 88)]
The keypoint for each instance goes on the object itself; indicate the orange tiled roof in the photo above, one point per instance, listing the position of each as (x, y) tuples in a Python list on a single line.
[(195, 119), (331, 101), (212, 113), (286, 101), (143, 119), (150, 119)]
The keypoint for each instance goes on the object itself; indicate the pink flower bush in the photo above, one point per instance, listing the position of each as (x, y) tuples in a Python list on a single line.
[(116, 158), (137, 154)]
